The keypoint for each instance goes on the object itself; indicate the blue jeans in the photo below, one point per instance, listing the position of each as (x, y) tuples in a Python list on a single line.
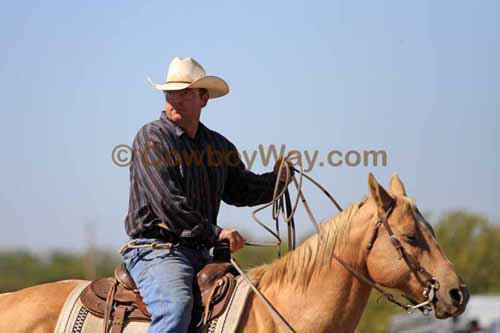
[(165, 280)]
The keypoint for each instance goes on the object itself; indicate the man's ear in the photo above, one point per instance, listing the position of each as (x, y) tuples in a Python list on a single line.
[(379, 194), (204, 99), (396, 186)]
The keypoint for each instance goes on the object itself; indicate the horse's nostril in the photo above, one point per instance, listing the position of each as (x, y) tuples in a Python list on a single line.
[(456, 296)]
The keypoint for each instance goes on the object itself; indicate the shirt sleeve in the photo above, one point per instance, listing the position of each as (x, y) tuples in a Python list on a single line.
[(161, 180), (245, 188)]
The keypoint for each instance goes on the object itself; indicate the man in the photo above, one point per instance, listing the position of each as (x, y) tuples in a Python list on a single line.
[(180, 173)]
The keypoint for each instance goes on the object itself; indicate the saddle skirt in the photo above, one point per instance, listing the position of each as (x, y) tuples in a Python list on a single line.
[(85, 308)]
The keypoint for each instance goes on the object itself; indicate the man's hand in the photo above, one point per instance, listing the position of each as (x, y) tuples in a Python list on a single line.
[(283, 176), (236, 241)]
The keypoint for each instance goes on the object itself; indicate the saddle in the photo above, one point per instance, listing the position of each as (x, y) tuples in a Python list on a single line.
[(117, 299)]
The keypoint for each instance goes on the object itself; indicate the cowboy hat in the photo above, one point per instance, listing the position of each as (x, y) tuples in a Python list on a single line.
[(188, 73)]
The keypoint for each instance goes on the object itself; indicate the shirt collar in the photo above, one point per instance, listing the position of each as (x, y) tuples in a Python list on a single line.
[(177, 129)]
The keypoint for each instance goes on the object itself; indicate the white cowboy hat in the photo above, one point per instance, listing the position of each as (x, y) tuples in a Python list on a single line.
[(188, 73)]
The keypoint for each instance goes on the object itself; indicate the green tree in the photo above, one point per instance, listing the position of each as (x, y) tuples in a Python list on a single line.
[(21, 269), (472, 243)]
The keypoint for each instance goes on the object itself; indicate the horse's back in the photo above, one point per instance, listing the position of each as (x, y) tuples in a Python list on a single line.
[(34, 309)]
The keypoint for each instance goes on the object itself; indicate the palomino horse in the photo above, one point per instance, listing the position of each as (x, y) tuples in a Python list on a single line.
[(309, 287)]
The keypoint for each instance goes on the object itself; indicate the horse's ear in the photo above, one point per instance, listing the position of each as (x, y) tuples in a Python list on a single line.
[(396, 186), (379, 194)]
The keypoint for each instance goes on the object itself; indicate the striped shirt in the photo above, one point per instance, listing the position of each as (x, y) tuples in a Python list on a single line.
[(179, 181)]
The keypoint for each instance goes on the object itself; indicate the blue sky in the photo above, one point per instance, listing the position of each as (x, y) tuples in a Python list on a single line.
[(418, 79)]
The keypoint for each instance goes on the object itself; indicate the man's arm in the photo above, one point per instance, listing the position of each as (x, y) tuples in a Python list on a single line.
[(160, 180), (245, 188)]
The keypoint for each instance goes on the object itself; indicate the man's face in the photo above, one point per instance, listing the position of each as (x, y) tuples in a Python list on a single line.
[(184, 106)]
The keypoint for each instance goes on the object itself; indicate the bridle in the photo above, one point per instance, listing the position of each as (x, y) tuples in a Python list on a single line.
[(428, 282)]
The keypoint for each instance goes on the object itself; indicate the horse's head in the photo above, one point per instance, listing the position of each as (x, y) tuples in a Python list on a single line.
[(420, 264)]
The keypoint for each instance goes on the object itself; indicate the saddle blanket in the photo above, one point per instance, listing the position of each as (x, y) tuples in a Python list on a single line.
[(75, 318)]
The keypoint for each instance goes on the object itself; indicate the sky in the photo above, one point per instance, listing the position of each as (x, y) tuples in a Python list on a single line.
[(417, 79)]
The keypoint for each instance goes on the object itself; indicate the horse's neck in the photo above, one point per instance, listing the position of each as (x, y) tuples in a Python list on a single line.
[(340, 297), (333, 301)]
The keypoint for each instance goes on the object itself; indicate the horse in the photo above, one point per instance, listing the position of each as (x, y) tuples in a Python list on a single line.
[(324, 284)]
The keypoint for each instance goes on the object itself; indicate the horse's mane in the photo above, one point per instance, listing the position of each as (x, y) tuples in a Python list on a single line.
[(299, 265)]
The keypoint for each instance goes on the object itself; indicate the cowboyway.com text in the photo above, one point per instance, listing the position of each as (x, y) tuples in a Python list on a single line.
[(122, 155)]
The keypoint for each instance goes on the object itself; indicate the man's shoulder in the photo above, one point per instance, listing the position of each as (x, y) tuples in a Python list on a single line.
[(218, 137), (152, 130), (153, 126), (157, 126)]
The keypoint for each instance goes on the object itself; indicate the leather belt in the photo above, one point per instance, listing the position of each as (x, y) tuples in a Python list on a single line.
[(160, 234), (168, 237)]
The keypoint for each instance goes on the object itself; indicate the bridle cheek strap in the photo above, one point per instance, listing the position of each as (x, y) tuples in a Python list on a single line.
[(429, 283)]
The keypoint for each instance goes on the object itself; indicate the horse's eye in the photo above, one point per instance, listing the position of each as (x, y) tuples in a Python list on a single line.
[(412, 239)]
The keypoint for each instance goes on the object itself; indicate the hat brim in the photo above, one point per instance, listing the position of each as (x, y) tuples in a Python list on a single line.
[(216, 86)]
